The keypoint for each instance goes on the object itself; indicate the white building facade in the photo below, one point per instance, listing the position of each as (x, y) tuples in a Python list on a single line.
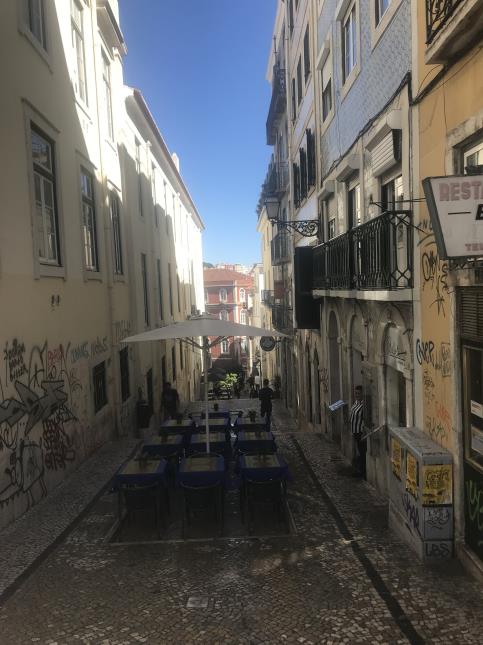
[(79, 262)]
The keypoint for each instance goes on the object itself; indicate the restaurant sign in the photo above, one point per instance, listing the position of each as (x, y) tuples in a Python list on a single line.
[(455, 205), (267, 343)]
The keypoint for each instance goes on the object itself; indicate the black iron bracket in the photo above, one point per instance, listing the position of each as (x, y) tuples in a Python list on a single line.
[(304, 227)]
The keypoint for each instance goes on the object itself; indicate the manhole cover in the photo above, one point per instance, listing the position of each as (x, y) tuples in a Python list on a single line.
[(197, 602)]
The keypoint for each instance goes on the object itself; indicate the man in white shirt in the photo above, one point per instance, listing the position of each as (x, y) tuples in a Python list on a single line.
[(357, 429)]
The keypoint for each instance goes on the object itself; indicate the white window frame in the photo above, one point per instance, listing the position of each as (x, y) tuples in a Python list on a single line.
[(42, 175), (225, 347), (33, 9), (137, 160), (77, 35), (346, 10), (116, 228), (153, 194), (354, 185), (477, 148), (243, 317), (90, 240), (223, 298), (378, 27), (223, 315), (107, 86), (327, 66), (242, 294)]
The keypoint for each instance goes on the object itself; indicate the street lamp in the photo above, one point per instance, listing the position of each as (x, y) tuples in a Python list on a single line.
[(305, 227)]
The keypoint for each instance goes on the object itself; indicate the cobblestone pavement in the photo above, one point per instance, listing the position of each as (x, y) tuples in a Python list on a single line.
[(339, 577)]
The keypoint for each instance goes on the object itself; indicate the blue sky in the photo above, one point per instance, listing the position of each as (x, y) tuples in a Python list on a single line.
[(200, 65)]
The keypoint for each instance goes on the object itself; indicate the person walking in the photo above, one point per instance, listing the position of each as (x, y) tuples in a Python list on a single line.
[(356, 419), (265, 395), (170, 401)]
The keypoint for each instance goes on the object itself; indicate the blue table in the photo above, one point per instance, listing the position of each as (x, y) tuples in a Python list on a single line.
[(218, 443), (164, 445), (141, 473), (202, 471), (244, 423), (254, 441), (264, 467), (172, 426), (219, 414)]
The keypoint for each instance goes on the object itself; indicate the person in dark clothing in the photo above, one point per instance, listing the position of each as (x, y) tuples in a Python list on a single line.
[(170, 401), (265, 394), (357, 429)]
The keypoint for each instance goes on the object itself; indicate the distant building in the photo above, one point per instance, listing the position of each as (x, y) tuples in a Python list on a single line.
[(228, 295)]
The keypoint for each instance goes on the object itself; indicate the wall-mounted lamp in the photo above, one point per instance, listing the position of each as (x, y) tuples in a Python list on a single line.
[(304, 227)]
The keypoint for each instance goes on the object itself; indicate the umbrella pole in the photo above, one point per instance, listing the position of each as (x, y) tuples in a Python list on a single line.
[(207, 424)]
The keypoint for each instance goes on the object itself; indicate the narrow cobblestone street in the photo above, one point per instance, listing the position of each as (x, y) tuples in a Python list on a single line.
[(340, 577)]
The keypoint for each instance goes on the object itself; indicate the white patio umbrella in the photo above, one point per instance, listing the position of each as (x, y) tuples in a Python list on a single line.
[(204, 326)]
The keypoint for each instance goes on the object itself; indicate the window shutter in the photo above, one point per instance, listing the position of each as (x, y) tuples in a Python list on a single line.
[(307, 53), (386, 153), (310, 158), (296, 185), (294, 105), (471, 313), (303, 173), (307, 310)]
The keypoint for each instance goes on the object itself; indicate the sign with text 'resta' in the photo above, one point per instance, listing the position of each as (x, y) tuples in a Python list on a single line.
[(455, 205)]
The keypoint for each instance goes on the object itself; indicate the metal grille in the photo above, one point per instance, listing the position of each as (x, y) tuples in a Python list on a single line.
[(280, 248), (438, 12), (471, 313)]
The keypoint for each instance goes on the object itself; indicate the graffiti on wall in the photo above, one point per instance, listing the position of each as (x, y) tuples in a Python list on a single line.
[(43, 414), (433, 349)]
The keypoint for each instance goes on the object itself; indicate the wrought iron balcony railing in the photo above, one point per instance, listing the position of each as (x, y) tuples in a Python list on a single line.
[(267, 297), (276, 180), (438, 12), (280, 248), (278, 103), (282, 318), (375, 255)]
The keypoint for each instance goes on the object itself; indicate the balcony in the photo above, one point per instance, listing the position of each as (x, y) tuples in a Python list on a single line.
[(376, 255), (282, 318), (451, 27), (280, 248), (276, 180), (278, 103), (267, 297)]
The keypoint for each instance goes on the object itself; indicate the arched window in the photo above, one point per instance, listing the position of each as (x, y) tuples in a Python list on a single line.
[(242, 295), (224, 347), (223, 314), (243, 317), (223, 296)]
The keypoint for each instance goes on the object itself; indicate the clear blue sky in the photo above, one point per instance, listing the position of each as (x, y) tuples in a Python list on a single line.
[(200, 65)]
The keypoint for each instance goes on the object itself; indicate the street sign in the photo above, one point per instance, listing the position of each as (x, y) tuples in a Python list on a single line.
[(455, 205), (267, 343)]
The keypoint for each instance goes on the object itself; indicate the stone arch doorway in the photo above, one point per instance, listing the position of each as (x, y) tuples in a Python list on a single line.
[(317, 413), (308, 372), (335, 388)]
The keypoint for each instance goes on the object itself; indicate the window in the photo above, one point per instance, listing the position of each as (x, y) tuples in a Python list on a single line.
[(179, 293), (243, 317), (331, 228), (106, 80), (138, 171), (78, 46), (473, 158), (153, 193), (89, 222), (144, 273), (311, 169), (307, 53), (225, 348), (299, 81), (181, 357), (47, 228), (173, 361), (223, 314), (160, 289), (100, 389), (303, 174), (296, 185), (354, 206), (116, 232), (170, 290), (207, 298), (35, 17), (242, 295), (164, 373), (290, 16), (327, 88), (349, 46), (294, 101), (124, 368), (381, 8), (165, 191), (391, 193), (223, 295)]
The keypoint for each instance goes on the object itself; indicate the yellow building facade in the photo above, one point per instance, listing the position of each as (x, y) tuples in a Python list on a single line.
[(448, 334)]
